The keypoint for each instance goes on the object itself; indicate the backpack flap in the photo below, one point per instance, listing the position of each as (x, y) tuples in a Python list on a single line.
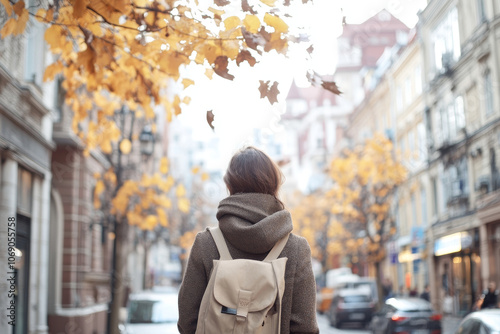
[(246, 286)]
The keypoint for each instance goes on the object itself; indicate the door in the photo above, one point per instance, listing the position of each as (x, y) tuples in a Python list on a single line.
[(22, 273)]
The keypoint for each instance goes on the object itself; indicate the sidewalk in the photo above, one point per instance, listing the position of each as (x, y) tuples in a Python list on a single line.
[(450, 324)]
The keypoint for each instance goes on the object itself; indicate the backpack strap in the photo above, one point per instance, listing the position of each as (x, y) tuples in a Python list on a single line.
[(277, 249), (220, 242)]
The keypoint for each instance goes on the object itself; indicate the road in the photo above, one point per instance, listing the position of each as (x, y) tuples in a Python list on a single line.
[(325, 328), (449, 325)]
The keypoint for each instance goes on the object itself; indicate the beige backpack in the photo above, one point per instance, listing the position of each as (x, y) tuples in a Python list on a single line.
[(243, 296)]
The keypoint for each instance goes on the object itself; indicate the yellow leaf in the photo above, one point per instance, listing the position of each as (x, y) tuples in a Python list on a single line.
[(162, 217), (79, 8), (195, 170), (251, 23), (164, 165), (180, 191), (277, 23), (7, 6), (183, 205), (125, 146), (8, 27), (187, 83), (205, 176), (186, 100), (270, 3), (53, 36), (52, 70), (232, 22)]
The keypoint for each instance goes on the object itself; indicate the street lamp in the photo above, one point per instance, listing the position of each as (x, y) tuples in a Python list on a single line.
[(147, 141)]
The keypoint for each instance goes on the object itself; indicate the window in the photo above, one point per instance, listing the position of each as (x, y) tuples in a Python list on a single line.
[(423, 202), (459, 112), (455, 180), (445, 42), (24, 189), (35, 49), (434, 197), (59, 101), (422, 147), (488, 92), (413, 210), (399, 99), (408, 98), (480, 11), (495, 175), (418, 80)]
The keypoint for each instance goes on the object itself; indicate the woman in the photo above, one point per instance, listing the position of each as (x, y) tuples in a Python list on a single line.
[(252, 219)]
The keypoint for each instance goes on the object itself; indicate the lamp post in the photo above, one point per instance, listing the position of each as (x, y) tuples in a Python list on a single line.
[(147, 142)]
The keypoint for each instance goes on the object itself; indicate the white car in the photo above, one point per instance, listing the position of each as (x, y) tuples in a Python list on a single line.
[(151, 313)]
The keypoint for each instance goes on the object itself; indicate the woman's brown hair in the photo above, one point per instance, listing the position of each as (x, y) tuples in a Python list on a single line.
[(252, 171)]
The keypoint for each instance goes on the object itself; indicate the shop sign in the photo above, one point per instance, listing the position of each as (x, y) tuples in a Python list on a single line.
[(452, 243), (408, 256)]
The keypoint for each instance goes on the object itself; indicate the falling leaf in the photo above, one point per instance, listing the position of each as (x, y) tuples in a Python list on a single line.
[(195, 169), (271, 93), (210, 119), (245, 55), (205, 176), (331, 86), (220, 67), (310, 49)]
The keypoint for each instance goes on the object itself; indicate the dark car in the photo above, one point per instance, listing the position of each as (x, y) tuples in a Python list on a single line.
[(406, 315), (481, 322), (351, 305)]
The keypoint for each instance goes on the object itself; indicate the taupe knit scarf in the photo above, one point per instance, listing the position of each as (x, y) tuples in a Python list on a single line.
[(253, 222)]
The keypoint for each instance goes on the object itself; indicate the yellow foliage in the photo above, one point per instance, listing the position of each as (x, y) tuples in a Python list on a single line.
[(180, 191), (183, 205), (251, 23)]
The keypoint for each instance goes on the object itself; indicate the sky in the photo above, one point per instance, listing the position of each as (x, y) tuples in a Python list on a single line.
[(237, 105)]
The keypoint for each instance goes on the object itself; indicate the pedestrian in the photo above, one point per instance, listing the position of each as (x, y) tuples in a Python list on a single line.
[(252, 220), (490, 299), (413, 292), (426, 294)]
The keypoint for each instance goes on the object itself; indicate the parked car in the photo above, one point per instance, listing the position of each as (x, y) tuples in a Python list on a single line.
[(152, 313), (481, 322), (406, 315), (351, 305)]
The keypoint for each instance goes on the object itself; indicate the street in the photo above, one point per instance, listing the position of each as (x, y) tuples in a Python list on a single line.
[(324, 327), (449, 326)]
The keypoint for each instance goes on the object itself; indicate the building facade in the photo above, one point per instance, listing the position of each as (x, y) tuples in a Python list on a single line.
[(26, 112), (461, 71)]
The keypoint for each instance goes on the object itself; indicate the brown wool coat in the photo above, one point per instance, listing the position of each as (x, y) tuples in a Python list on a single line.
[(252, 224)]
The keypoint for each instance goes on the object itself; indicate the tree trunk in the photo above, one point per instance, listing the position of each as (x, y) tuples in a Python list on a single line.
[(378, 276), (119, 284)]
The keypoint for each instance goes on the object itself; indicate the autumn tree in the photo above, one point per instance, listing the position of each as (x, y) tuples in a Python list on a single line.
[(365, 181), (110, 53)]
